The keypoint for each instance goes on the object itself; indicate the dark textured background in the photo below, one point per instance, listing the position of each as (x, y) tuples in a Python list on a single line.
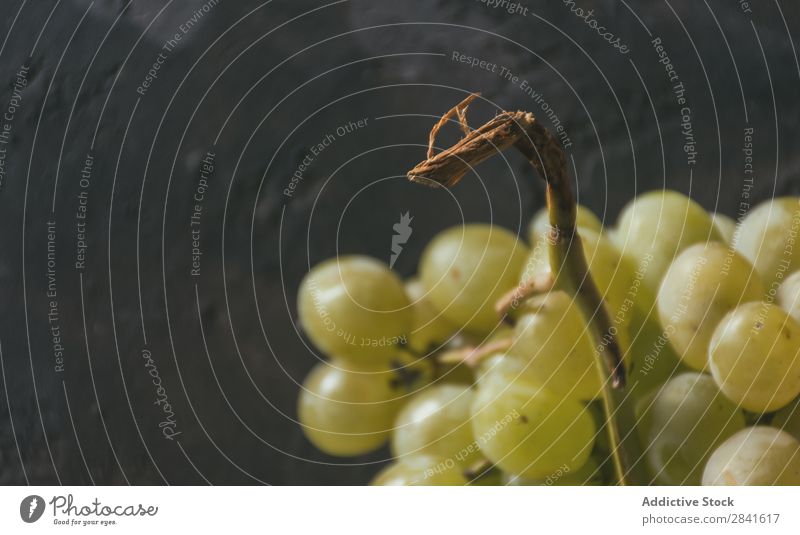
[(267, 81)]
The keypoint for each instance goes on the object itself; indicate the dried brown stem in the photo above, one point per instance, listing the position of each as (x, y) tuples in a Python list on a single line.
[(521, 130)]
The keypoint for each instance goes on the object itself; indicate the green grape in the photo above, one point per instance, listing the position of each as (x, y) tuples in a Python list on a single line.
[(466, 269), (430, 328), (652, 359), (753, 356), (501, 332), (688, 418), (487, 478), (642, 413), (348, 411), (755, 456), (502, 365), (788, 419), (789, 295), (455, 374), (354, 307), (435, 423), (464, 338), (587, 475), (613, 275), (703, 283), (725, 226), (526, 430), (602, 444), (490, 362), (584, 219), (420, 470), (766, 237), (557, 348), (658, 225)]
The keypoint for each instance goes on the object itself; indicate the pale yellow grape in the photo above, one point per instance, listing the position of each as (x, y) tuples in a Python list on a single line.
[(613, 275), (789, 295), (652, 359), (348, 411), (557, 349), (725, 225), (767, 238), (584, 219), (503, 365), (703, 283), (587, 475), (611, 235), (486, 478), (642, 414), (354, 307), (430, 328), (755, 456), (457, 374), (754, 356), (419, 471), (658, 225), (526, 430), (688, 418), (466, 269), (435, 423), (504, 332), (788, 419)]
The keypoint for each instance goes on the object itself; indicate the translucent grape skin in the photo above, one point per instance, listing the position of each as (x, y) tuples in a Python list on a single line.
[(687, 419), (642, 413), (788, 419), (435, 423), (554, 346), (420, 470), (503, 365), (789, 295), (587, 475), (703, 283), (430, 328), (584, 219), (466, 269), (652, 359), (754, 357), (725, 226), (759, 455), (526, 430), (354, 307), (658, 225), (766, 238), (347, 411)]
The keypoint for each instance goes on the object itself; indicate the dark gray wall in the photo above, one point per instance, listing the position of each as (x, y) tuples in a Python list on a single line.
[(261, 84)]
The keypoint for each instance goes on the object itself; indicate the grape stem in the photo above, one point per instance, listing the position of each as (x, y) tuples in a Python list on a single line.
[(521, 130), (472, 356), (539, 284)]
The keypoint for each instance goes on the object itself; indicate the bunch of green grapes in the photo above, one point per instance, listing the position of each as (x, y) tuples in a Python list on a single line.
[(361, 316), (481, 370), (729, 308)]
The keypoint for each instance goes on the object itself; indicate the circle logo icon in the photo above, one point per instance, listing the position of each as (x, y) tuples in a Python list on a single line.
[(31, 508)]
